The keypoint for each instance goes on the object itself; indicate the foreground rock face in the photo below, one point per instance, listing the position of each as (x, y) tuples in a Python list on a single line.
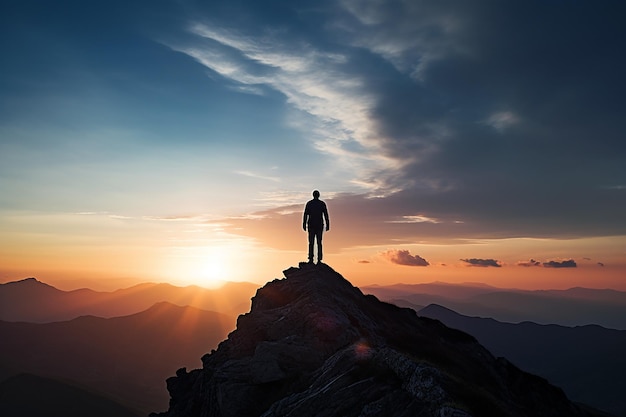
[(314, 345)]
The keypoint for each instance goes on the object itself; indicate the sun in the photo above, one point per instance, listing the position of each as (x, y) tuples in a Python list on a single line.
[(205, 266), (212, 270)]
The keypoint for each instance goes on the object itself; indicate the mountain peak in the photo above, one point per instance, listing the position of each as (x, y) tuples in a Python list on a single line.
[(25, 281), (436, 308), (28, 284), (313, 344)]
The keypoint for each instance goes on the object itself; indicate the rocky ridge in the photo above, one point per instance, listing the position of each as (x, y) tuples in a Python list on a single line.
[(314, 345)]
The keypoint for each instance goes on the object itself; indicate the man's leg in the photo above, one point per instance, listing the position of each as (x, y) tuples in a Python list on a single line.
[(319, 245), (311, 240)]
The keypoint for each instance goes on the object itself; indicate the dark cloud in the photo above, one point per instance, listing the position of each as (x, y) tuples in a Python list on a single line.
[(482, 262), (570, 263), (382, 221), (363, 261), (528, 263), (493, 117), (600, 264), (404, 257)]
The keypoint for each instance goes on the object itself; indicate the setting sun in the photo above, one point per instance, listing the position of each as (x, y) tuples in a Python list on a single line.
[(205, 266)]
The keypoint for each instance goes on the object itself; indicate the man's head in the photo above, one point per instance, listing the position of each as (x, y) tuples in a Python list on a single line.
[(316, 194)]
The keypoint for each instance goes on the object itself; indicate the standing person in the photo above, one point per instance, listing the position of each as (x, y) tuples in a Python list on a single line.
[(315, 214)]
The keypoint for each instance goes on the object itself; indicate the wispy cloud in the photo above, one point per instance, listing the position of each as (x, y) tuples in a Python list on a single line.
[(415, 219), (502, 120), (409, 34), (313, 81), (258, 176)]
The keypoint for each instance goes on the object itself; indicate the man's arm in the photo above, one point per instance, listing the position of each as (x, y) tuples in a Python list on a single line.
[(326, 218), (304, 216)]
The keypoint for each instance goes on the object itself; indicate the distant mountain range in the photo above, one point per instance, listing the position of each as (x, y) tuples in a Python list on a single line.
[(128, 357), (34, 301), (572, 307), (588, 362), (144, 334)]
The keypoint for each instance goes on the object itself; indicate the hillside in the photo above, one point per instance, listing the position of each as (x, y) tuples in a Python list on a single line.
[(28, 395), (588, 362), (126, 357)]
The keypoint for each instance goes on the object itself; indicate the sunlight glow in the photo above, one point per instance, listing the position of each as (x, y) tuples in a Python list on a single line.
[(205, 266)]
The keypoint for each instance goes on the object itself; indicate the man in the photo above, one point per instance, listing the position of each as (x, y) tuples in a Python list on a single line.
[(313, 212)]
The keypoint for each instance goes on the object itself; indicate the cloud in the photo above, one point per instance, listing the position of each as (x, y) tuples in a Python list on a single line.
[(404, 257), (497, 117), (313, 80), (363, 261), (361, 220), (455, 116), (257, 175), (600, 263), (570, 263), (528, 263), (502, 120), (482, 262), (414, 219)]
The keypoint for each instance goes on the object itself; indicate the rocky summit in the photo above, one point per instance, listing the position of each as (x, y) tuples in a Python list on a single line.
[(314, 345)]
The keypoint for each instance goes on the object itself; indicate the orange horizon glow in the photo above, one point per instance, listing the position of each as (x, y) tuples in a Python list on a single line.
[(359, 274), (106, 253)]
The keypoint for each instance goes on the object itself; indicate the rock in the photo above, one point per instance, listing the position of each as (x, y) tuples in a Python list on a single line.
[(314, 345)]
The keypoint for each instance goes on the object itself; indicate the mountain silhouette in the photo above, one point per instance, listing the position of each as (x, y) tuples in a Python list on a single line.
[(588, 362), (28, 395), (571, 307), (126, 357), (33, 301), (314, 345)]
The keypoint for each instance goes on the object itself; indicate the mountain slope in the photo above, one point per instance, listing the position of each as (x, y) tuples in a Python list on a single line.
[(126, 357), (34, 301), (27, 395), (588, 362), (314, 345)]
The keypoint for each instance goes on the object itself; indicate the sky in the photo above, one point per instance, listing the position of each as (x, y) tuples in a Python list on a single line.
[(179, 140)]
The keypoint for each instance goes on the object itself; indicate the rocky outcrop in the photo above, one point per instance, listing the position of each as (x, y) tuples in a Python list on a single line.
[(314, 345)]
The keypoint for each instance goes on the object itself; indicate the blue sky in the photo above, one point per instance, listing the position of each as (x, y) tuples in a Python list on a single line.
[(420, 122)]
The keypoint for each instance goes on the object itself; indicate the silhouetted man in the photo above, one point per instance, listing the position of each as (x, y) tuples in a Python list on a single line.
[(313, 212)]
